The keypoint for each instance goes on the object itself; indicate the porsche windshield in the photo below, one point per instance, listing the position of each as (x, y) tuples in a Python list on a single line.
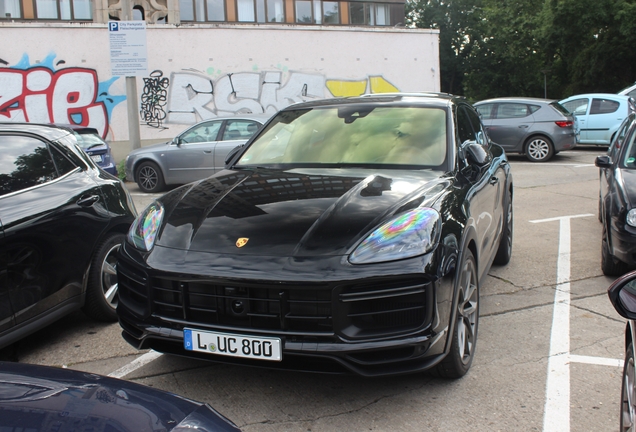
[(352, 135)]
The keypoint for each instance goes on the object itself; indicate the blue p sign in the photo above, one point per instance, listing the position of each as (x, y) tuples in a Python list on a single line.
[(113, 26)]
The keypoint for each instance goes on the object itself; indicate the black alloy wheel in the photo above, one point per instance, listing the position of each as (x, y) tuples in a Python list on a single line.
[(464, 337), (149, 177), (504, 252), (101, 292)]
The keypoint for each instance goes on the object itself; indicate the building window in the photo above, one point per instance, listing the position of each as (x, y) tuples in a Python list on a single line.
[(262, 11), (66, 10), (374, 14), (317, 12), (330, 12), (10, 9), (303, 12), (270, 11), (202, 10)]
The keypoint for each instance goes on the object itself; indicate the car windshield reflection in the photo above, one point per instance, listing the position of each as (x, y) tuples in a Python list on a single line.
[(356, 135)]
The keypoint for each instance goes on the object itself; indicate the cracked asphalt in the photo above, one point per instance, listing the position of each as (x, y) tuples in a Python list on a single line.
[(505, 389)]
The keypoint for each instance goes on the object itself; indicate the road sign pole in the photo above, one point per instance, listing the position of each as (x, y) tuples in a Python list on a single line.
[(131, 91)]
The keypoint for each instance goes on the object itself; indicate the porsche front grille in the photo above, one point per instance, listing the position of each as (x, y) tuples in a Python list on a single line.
[(274, 308), (363, 311)]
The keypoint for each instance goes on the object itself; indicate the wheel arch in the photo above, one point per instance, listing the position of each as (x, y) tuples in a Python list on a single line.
[(118, 228), (146, 158), (468, 243)]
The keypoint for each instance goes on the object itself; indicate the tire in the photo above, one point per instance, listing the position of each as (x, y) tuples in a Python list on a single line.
[(539, 149), (464, 336), (610, 265), (101, 291), (149, 177), (504, 252), (628, 397)]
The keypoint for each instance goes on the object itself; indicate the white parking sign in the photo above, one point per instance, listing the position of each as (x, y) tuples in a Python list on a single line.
[(128, 48)]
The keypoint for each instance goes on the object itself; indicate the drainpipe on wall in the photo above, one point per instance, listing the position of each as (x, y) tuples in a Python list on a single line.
[(134, 135)]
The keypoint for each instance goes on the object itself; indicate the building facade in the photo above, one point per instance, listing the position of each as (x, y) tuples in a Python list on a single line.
[(206, 58)]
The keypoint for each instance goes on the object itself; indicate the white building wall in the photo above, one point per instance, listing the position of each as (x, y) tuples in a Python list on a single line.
[(61, 72)]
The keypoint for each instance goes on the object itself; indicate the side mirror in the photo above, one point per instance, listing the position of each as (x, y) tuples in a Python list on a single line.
[(476, 154), (231, 154), (603, 161), (622, 294), (176, 140)]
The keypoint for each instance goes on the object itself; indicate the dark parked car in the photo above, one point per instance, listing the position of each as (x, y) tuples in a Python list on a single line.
[(43, 398), (349, 235), (622, 294), (538, 128), (62, 220), (89, 140), (194, 154), (617, 200)]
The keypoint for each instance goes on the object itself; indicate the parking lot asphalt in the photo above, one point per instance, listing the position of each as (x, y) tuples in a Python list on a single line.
[(548, 355)]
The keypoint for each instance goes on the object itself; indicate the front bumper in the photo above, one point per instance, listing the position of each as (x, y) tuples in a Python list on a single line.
[(388, 322)]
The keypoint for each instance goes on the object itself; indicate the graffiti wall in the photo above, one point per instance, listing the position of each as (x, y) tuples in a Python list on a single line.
[(41, 94), (62, 74), (195, 97)]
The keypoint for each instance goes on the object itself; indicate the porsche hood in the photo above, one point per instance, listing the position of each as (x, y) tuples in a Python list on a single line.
[(304, 212)]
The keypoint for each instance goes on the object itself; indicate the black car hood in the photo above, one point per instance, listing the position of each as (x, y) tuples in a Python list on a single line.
[(302, 212), (42, 398)]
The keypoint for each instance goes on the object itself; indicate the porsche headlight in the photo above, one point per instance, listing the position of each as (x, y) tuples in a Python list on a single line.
[(631, 217), (143, 232), (409, 234)]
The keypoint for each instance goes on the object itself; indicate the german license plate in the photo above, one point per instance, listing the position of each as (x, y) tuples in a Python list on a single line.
[(96, 158), (233, 345)]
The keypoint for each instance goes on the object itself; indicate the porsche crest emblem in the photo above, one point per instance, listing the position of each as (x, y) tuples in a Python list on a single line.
[(242, 242)]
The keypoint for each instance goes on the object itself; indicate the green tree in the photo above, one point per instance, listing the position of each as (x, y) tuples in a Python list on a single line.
[(457, 21), (490, 48)]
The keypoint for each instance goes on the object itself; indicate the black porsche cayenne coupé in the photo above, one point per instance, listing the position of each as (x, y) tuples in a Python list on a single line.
[(348, 235)]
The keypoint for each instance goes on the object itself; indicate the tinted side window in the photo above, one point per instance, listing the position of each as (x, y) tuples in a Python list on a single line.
[(476, 124), (464, 128), (603, 106), (62, 163), (25, 162), (512, 110)]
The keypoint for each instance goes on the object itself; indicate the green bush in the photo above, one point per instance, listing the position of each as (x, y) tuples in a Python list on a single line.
[(121, 170)]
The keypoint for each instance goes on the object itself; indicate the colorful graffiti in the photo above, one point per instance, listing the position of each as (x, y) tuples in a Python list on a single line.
[(194, 96), (40, 93)]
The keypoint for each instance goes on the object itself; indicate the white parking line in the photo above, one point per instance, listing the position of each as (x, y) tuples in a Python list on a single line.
[(135, 364), (556, 415), (600, 361)]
